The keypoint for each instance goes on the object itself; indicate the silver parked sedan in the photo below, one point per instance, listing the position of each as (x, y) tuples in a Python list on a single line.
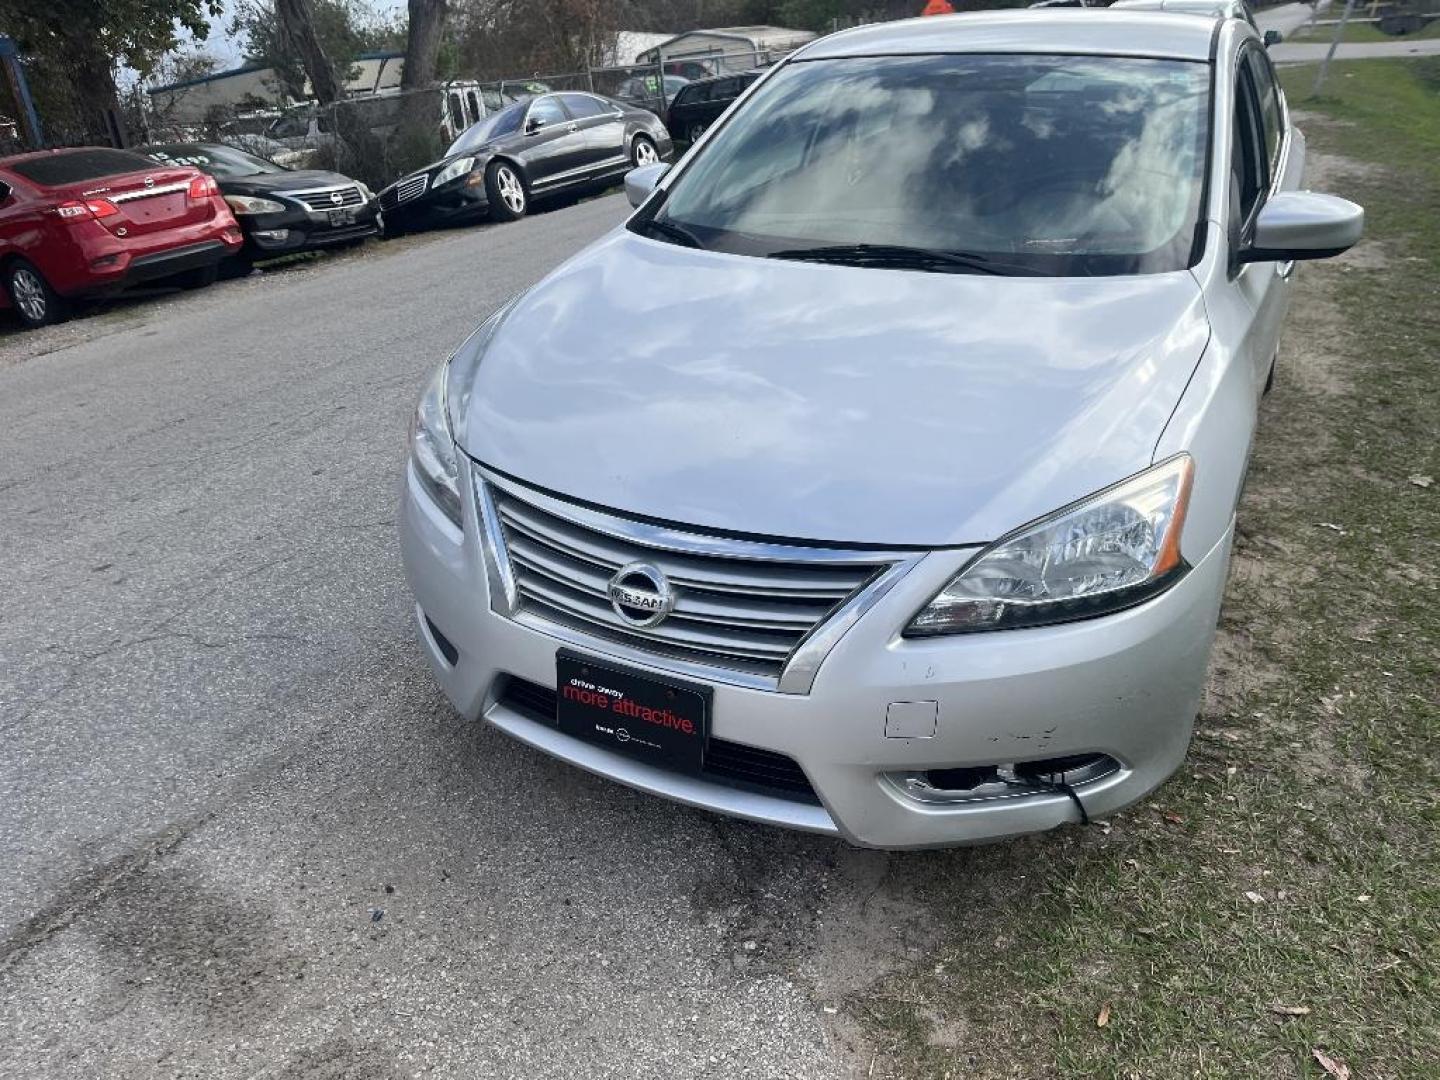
[(878, 476)]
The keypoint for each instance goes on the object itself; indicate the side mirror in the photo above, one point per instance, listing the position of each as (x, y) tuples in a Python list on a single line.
[(1303, 225), (534, 124), (1273, 37), (639, 183)]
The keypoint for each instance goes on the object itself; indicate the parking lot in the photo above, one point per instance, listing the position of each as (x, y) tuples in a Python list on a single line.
[(245, 835)]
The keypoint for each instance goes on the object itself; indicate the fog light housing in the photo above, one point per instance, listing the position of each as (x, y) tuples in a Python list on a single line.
[(1002, 780), (271, 236)]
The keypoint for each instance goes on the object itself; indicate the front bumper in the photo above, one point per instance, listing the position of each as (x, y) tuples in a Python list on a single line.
[(1127, 686), (453, 202), (295, 229)]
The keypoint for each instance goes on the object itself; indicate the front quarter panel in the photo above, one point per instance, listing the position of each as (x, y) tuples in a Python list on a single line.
[(1215, 420)]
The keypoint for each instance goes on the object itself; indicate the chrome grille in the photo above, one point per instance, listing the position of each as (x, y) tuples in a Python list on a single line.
[(412, 187), (325, 198), (740, 606)]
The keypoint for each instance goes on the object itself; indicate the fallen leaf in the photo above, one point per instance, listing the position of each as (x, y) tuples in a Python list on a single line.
[(1421, 481), (1331, 526), (1254, 897), (1104, 1017), (1174, 819), (1290, 1010), (1332, 1066)]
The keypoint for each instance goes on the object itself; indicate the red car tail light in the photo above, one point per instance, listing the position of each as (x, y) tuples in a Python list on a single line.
[(203, 187), (91, 208)]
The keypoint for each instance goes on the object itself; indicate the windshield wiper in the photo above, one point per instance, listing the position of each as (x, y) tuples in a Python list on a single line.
[(683, 237), (899, 257)]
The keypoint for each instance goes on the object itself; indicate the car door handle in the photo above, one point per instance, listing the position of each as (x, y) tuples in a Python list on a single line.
[(573, 127)]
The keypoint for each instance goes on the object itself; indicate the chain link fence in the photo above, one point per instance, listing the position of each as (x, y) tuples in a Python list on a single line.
[(380, 137)]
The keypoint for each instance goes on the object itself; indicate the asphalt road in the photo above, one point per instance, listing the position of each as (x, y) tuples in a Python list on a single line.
[(243, 834)]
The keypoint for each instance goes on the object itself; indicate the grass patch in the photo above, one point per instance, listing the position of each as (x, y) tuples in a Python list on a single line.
[(1282, 893)]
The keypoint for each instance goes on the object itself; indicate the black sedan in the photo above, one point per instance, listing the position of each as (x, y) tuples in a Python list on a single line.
[(280, 210), (548, 144), (700, 103)]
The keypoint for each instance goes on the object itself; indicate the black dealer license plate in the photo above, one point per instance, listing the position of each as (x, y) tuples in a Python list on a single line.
[(657, 721)]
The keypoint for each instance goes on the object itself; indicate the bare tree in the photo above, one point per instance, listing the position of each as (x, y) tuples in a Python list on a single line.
[(422, 46), (298, 25)]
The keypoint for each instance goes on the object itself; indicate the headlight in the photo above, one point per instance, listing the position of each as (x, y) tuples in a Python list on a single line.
[(458, 167), (253, 204), (1110, 551), (365, 192), (441, 413), (432, 448)]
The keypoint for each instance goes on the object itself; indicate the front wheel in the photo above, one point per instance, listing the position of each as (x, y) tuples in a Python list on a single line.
[(643, 152), (34, 300), (506, 192)]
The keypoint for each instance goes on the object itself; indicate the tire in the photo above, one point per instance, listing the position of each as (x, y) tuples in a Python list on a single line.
[(693, 133), (200, 278), (643, 152), (505, 188), (35, 302)]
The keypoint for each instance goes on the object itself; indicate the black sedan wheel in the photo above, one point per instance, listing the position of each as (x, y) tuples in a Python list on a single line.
[(35, 302), (506, 192), (643, 152)]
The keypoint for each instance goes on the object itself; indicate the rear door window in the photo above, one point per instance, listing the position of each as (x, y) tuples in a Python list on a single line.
[(77, 166), (583, 105)]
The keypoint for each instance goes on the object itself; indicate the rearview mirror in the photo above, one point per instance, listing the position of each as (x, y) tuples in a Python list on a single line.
[(1273, 37), (1303, 225), (639, 183)]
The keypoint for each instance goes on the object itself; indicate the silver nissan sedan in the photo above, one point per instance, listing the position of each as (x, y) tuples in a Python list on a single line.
[(878, 476)]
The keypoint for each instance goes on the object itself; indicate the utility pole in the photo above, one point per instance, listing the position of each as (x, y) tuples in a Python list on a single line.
[(1334, 44), (20, 91)]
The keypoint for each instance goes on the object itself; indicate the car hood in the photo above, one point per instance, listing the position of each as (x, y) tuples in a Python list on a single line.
[(829, 403), (290, 180)]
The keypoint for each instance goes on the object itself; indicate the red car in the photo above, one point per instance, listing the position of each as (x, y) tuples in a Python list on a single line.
[(92, 220)]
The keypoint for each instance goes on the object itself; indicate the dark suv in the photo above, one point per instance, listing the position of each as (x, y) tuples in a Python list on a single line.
[(699, 104)]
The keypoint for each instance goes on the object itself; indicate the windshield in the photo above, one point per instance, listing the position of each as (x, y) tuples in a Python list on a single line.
[(504, 122), (1061, 165), (222, 162)]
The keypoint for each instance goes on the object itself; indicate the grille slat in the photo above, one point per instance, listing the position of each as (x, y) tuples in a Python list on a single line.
[(729, 763), (695, 637), (761, 614), (350, 198), (699, 571), (412, 187), (731, 611)]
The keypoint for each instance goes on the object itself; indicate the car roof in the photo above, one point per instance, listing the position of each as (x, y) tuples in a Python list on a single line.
[(1184, 7), (751, 73), (1084, 31)]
